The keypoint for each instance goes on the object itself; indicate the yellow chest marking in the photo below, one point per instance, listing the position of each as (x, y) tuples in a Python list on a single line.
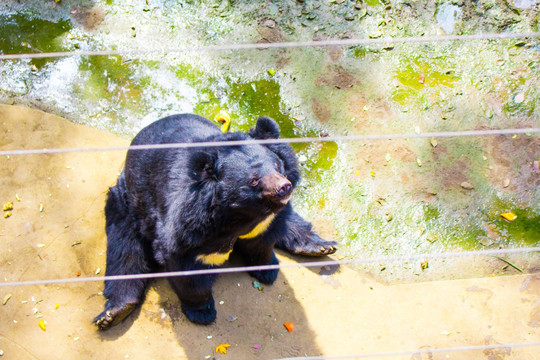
[(259, 229), (214, 258)]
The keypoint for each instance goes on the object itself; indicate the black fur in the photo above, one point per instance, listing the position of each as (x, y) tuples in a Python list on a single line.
[(170, 206)]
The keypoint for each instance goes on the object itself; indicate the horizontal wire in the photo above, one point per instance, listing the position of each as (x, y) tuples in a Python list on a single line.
[(441, 134), (419, 351), (214, 271), (276, 45)]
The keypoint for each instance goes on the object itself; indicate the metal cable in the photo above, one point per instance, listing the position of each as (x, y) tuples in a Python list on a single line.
[(419, 351), (276, 45), (440, 134), (380, 259)]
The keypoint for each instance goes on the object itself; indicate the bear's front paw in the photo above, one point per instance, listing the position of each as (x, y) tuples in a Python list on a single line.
[(112, 316), (267, 276), (314, 246), (203, 315)]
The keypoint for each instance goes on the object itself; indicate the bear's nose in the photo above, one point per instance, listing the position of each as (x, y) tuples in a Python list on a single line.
[(276, 188), (285, 189)]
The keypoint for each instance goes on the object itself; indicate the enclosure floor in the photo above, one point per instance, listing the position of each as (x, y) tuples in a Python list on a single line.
[(56, 230)]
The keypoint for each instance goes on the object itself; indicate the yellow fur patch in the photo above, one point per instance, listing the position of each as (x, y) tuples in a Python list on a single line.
[(259, 229), (214, 258)]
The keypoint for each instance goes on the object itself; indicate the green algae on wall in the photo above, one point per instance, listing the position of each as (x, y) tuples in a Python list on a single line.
[(24, 33)]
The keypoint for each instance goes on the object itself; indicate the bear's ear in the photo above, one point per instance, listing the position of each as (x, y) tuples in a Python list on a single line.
[(202, 165), (266, 128)]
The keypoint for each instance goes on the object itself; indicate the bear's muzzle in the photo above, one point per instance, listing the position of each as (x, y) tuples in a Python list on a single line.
[(276, 188)]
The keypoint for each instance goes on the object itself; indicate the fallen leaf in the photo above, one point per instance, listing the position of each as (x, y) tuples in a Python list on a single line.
[(509, 216), (222, 348), (289, 326), (6, 299)]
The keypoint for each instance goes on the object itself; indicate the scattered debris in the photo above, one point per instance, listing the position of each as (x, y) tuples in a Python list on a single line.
[(6, 299), (257, 346), (8, 206), (424, 265), (232, 318), (222, 348), (225, 118), (506, 182), (257, 285), (536, 166), (509, 263), (271, 72), (467, 186), (42, 324), (509, 216), (289, 326)]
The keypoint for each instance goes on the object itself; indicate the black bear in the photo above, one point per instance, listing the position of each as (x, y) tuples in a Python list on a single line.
[(183, 209)]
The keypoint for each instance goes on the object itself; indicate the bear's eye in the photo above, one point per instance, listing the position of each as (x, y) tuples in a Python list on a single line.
[(254, 181)]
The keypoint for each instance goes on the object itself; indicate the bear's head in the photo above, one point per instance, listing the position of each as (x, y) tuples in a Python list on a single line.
[(250, 179)]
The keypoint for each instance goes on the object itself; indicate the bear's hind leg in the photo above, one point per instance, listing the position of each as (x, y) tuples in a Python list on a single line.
[(125, 256)]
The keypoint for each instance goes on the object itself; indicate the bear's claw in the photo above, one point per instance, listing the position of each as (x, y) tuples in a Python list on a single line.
[(114, 316)]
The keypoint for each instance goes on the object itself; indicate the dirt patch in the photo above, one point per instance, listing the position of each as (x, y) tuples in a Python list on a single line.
[(505, 173), (337, 77), (89, 17), (270, 31), (322, 111)]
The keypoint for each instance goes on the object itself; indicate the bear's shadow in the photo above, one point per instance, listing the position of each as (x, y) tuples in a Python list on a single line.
[(249, 319)]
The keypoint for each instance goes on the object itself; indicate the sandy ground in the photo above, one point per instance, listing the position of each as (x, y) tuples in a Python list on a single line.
[(344, 313)]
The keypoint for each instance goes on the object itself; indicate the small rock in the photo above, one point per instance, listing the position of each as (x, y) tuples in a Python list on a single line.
[(506, 182), (467, 186)]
